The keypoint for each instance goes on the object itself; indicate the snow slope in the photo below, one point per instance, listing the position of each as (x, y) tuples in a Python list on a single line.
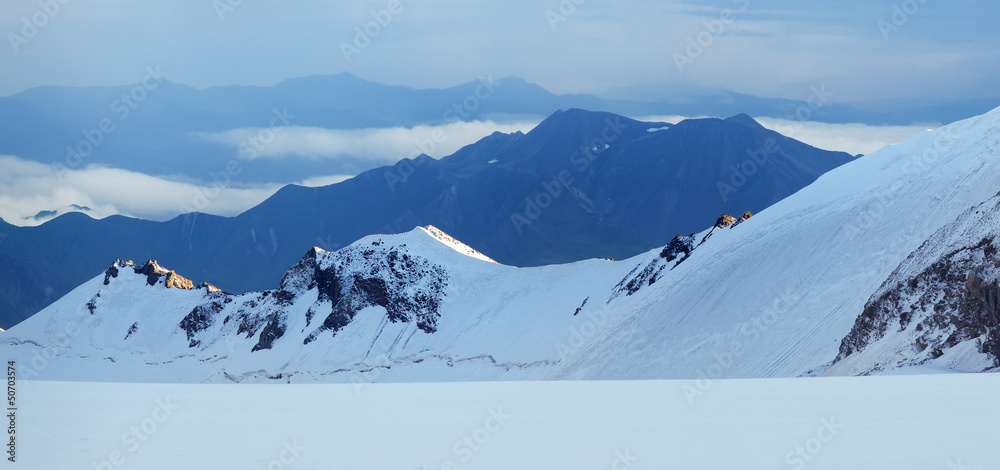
[(365, 312), (856, 423), (939, 309), (775, 297), (772, 296)]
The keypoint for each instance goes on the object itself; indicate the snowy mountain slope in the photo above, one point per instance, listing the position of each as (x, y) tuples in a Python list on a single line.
[(939, 308), (580, 185), (773, 295), (776, 297), (412, 307), (416, 298)]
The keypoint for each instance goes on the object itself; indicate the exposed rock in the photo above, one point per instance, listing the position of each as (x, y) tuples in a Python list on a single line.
[(746, 215), (200, 319), (680, 247), (724, 221), (177, 281), (945, 293), (153, 272), (410, 288), (210, 288), (678, 250), (112, 271), (92, 304), (132, 329), (274, 329)]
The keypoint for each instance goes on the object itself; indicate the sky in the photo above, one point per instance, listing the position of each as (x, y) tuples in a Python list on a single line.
[(867, 50)]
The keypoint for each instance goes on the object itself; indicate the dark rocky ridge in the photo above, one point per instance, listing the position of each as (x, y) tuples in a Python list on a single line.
[(409, 288), (945, 293), (676, 252), (356, 278), (153, 272)]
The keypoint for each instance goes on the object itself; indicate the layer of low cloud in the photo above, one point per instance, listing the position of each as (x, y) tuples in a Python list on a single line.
[(27, 188), (379, 146), (851, 138)]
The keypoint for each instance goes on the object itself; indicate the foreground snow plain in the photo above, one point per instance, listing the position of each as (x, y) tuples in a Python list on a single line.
[(932, 422)]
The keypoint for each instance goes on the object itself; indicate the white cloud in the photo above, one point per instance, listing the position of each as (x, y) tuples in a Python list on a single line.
[(851, 138), (380, 146), (27, 188)]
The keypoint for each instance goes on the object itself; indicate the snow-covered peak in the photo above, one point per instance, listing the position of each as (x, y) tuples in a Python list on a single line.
[(454, 244), (429, 241), (154, 274)]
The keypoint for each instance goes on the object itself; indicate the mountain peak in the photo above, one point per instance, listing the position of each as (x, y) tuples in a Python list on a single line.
[(153, 272), (454, 244), (743, 118)]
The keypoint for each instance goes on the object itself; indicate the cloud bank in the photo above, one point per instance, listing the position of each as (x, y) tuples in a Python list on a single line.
[(379, 146), (27, 188), (851, 138)]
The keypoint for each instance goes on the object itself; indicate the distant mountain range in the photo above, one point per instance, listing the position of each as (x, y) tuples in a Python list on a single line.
[(158, 127), (580, 185), (886, 264)]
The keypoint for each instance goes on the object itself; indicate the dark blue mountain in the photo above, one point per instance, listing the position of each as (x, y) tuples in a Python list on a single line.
[(580, 185)]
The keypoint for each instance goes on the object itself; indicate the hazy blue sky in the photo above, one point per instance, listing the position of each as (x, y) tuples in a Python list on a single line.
[(931, 50)]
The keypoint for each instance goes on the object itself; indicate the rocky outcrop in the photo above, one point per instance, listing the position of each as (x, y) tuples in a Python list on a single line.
[(408, 287), (153, 272), (945, 294), (274, 329), (208, 287), (678, 248), (673, 254), (177, 281), (724, 221), (112, 271)]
